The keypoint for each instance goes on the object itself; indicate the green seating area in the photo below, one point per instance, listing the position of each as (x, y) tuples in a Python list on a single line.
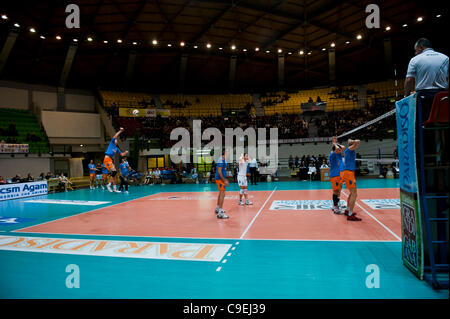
[(26, 123)]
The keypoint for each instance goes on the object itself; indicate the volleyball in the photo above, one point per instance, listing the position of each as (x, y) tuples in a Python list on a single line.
[(135, 112)]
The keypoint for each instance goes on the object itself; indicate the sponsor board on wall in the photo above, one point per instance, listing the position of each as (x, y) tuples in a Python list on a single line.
[(20, 190)]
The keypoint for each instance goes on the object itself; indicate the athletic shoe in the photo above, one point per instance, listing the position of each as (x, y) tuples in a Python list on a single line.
[(126, 192), (353, 218), (241, 203), (103, 187), (109, 188), (117, 191), (337, 211), (222, 215), (347, 213), (247, 202)]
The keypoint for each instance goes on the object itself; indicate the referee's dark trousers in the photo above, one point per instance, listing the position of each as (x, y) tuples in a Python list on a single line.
[(253, 177)]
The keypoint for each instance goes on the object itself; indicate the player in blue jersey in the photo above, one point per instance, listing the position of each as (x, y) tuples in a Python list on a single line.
[(348, 178), (336, 166), (92, 170), (112, 150), (103, 175), (222, 182), (125, 170)]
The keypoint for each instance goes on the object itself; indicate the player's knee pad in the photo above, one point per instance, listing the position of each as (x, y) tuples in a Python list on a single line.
[(113, 173), (241, 191), (245, 191)]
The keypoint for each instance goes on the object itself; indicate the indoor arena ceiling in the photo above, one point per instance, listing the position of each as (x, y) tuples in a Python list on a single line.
[(256, 31)]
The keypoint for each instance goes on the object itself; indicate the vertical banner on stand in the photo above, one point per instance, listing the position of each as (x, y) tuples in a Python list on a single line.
[(412, 245)]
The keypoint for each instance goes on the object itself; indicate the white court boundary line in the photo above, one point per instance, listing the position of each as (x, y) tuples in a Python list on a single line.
[(383, 225), (257, 214)]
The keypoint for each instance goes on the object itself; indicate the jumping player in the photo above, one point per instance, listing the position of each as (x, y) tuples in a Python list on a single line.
[(242, 179), (336, 166), (92, 170), (348, 177), (108, 161), (222, 182)]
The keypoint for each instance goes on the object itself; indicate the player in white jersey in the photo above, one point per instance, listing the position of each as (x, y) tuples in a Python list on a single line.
[(242, 179)]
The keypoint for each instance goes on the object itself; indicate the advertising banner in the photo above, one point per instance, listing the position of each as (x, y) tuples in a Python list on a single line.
[(14, 148), (20, 190), (412, 246)]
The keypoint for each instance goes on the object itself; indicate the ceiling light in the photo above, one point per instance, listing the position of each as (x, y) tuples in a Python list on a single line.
[(182, 44), (347, 42), (256, 49), (301, 52), (324, 49), (220, 48), (359, 36), (245, 50), (310, 52), (437, 16), (89, 39), (333, 44), (279, 50), (33, 30), (81, 145), (419, 19), (267, 51), (208, 45), (4, 17), (233, 47), (119, 40), (195, 46), (105, 41), (134, 43), (388, 28), (42, 37), (155, 42), (169, 45), (289, 53), (17, 25), (58, 37), (75, 40)]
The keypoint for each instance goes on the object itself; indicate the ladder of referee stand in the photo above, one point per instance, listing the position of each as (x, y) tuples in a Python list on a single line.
[(436, 273)]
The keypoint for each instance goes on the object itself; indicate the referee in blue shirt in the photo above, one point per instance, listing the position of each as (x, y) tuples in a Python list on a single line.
[(427, 75)]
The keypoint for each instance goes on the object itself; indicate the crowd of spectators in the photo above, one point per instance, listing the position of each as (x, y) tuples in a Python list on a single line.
[(273, 99), (290, 126), (308, 166), (10, 133), (29, 178), (337, 123)]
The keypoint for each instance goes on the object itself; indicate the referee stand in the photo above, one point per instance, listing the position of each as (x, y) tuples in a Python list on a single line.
[(433, 176)]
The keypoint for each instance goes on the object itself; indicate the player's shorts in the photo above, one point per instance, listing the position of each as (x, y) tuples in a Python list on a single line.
[(220, 185), (242, 181), (348, 177), (336, 182), (92, 176), (108, 163)]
